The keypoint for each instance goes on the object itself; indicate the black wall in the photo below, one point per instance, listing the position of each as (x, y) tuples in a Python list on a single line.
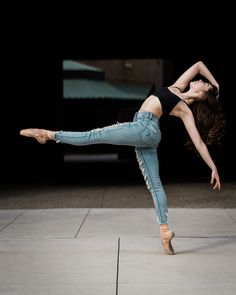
[(36, 47)]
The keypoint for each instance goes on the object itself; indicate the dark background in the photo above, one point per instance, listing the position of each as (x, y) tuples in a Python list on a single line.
[(36, 44)]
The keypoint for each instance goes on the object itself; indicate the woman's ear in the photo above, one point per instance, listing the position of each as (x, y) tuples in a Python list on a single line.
[(201, 94)]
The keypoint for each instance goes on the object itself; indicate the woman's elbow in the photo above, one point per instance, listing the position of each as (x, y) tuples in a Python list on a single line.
[(200, 62)]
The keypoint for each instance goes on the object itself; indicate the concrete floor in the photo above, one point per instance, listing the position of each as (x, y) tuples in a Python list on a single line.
[(116, 251), (92, 240)]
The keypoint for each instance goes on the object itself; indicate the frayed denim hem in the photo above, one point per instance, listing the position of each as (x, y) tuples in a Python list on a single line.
[(57, 133), (161, 214)]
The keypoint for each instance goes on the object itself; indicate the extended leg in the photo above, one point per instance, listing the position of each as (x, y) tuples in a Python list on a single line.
[(128, 133)]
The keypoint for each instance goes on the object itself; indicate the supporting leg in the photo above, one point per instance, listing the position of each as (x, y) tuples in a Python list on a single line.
[(148, 162)]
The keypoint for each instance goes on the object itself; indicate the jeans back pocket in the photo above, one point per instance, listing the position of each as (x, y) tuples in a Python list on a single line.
[(151, 136)]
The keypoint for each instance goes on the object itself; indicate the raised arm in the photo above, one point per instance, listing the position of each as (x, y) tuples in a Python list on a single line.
[(190, 126), (197, 68)]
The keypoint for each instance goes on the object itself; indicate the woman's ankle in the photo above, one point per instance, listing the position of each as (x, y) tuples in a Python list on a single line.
[(50, 134), (164, 227)]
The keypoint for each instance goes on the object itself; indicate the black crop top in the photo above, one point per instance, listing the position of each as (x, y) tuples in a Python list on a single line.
[(167, 99)]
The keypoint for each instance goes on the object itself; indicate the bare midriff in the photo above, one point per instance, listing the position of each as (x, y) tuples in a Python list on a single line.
[(153, 105)]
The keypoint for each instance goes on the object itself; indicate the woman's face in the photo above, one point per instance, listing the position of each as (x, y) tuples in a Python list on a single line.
[(200, 88)]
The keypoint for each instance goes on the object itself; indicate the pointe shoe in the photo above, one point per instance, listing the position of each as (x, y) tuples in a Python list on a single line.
[(41, 135), (166, 237)]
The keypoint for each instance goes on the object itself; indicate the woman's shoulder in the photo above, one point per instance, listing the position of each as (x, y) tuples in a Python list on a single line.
[(174, 88)]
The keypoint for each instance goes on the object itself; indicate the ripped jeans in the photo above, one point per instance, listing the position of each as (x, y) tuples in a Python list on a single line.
[(144, 134)]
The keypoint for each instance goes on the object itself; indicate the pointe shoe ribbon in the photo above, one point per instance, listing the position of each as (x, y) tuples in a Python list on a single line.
[(40, 135), (166, 237)]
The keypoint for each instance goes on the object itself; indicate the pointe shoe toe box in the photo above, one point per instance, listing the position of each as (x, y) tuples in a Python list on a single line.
[(166, 243), (39, 134)]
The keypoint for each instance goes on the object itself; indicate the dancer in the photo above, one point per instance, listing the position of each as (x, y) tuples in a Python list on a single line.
[(144, 134)]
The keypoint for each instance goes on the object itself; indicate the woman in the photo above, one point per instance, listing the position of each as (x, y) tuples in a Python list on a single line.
[(144, 133)]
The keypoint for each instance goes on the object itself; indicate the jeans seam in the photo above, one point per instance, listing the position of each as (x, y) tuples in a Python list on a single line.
[(150, 184)]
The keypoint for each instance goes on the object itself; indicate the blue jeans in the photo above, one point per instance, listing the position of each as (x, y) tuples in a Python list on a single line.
[(144, 134)]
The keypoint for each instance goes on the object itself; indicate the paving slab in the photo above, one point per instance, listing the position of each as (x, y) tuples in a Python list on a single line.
[(204, 222), (118, 222), (9, 216), (178, 289), (196, 260), (58, 289), (44, 223), (186, 222), (231, 213), (57, 261)]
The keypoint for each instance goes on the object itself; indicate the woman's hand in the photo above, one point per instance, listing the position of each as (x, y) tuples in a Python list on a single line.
[(215, 179)]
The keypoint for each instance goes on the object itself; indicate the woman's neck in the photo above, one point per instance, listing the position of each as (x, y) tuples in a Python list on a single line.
[(186, 96)]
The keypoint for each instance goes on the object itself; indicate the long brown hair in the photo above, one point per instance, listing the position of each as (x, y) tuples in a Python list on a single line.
[(209, 119)]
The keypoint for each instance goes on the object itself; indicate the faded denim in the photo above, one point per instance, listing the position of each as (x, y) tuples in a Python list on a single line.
[(144, 134)]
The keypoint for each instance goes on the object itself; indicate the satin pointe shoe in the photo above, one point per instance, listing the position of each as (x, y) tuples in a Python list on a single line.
[(41, 135), (166, 237)]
